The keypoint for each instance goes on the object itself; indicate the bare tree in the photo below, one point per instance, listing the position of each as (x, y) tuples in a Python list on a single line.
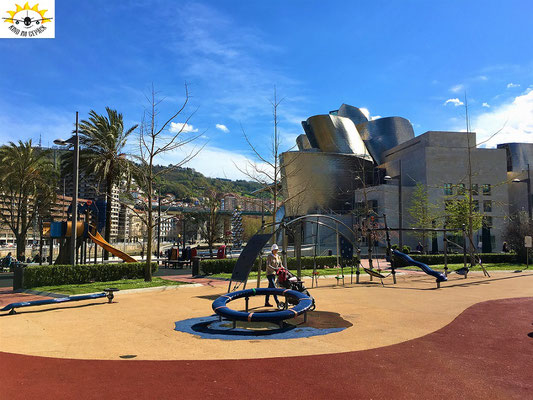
[(210, 225), (267, 169), (154, 141)]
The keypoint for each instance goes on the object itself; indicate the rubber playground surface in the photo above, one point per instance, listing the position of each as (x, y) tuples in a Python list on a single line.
[(473, 338)]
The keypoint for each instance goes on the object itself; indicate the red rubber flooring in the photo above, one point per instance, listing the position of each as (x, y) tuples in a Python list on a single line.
[(485, 353)]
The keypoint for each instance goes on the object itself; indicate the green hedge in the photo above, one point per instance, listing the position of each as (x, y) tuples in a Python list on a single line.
[(435, 259), (49, 275), (210, 267)]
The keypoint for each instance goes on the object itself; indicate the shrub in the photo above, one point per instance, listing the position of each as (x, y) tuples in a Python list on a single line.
[(435, 259), (49, 275), (219, 266)]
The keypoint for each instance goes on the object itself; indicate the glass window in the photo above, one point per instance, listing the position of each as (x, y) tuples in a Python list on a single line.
[(448, 189), (486, 189), (475, 189), (475, 205), (487, 205), (461, 188), (487, 222)]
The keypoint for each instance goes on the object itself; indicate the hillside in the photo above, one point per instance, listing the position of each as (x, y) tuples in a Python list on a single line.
[(186, 182)]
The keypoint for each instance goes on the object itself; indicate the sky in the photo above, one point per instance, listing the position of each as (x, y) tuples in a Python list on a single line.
[(420, 60)]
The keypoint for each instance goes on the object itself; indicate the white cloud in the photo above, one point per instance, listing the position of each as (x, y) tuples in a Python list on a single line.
[(223, 128), (456, 102), (512, 85), (457, 88), (365, 111), (514, 118), (176, 127), (487, 105), (482, 78)]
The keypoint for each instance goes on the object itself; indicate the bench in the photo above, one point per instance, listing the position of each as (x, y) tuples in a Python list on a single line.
[(109, 293), (176, 263)]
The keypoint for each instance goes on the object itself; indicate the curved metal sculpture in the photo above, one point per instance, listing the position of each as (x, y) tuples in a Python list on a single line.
[(382, 134), (518, 155), (353, 113), (303, 142), (335, 134), (317, 180)]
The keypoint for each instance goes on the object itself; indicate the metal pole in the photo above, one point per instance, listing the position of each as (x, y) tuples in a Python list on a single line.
[(75, 196), (337, 232), (528, 193), (445, 252), (259, 268), (464, 245), (400, 206), (159, 226)]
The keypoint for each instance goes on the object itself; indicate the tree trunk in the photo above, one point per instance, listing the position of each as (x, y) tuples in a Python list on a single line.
[(21, 246), (149, 234), (108, 207)]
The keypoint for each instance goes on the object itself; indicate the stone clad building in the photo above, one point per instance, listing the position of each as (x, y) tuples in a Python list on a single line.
[(347, 163)]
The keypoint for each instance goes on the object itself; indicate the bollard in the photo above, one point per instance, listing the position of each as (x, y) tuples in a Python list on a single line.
[(18, 276), (195, 266)]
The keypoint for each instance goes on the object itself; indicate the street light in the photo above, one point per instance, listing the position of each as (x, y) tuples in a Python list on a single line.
[(400, 212), (74, 140), (528, 181)]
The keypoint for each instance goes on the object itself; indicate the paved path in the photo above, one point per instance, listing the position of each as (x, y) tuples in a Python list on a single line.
[(485, 353)]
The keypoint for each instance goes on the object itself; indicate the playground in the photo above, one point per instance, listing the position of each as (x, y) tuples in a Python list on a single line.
[(387, 333), (468, 335)]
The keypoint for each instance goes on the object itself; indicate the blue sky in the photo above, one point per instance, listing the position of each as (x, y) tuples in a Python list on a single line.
[(414, 59)]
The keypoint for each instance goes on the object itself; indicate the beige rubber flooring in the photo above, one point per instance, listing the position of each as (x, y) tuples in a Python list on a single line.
[(142, 324)]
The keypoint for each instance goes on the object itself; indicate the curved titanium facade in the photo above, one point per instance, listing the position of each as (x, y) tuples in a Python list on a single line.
[(310, 135), (314, 181), (352, 113), (303, 143), (336, 134), (518, 155), (383, 134)]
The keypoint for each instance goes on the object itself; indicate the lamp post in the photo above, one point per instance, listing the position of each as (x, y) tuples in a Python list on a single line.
[(400, 205), (74, 140), (528, 181)]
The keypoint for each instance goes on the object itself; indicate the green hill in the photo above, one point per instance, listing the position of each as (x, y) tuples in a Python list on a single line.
[(186, 182)]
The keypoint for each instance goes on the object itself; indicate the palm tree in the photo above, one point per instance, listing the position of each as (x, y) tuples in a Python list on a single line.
[(27, 188), (102, 145)]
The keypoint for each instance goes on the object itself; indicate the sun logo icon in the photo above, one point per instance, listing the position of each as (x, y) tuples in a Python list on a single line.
[(27, 17)]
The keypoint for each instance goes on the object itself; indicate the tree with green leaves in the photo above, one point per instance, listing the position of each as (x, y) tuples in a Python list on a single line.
[(423, 213), (27, 188), (103, 140), (460, 212)]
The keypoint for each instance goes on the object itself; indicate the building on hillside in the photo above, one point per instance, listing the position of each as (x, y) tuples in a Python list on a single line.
[(232, 201)]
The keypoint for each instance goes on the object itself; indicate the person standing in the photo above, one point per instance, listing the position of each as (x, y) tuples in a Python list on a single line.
[(272, 265)]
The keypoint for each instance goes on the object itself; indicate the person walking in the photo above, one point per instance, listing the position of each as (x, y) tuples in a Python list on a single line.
[(272, 265)]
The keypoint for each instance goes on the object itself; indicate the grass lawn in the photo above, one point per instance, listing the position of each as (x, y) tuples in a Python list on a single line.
[(337, 271), (99, 286)]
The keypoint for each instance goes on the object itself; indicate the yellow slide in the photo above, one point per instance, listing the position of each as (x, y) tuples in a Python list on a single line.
[(100, 241)]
